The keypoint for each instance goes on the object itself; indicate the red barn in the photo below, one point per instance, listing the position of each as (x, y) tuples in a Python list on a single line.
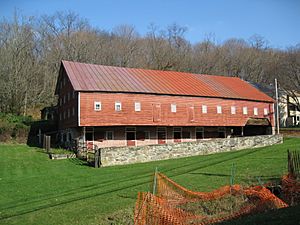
[(115, 106)]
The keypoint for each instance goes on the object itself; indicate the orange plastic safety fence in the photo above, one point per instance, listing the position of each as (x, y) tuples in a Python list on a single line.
[(164, 207), (291, 189)]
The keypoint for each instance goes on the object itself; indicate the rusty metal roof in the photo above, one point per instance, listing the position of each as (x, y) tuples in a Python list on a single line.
[(90, 77)]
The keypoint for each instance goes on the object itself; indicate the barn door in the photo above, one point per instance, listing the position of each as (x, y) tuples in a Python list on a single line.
[(130, 136), (191, 113), (156, 108)]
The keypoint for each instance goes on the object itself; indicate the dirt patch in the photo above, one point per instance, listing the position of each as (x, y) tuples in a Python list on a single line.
[(124, 217), (214, 208)]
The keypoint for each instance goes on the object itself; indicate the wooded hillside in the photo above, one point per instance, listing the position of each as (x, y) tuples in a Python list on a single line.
[(31, 50)]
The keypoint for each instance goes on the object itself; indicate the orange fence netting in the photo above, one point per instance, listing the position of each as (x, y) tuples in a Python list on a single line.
[(176, 205)]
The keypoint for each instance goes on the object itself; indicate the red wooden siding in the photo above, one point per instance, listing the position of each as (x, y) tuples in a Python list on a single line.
[(156, 110)]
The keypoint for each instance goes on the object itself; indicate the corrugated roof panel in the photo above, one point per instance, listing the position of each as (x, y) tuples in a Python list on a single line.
[(90, 77)]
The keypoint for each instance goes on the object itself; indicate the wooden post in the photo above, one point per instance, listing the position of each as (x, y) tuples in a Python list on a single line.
[(44, 141), (40, 137), (277, 106), (97, 157), (48, 142)]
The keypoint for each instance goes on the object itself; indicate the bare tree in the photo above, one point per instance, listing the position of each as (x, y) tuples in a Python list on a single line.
[(31, 50)]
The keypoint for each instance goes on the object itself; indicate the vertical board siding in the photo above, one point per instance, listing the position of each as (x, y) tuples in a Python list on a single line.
[(156, 110)]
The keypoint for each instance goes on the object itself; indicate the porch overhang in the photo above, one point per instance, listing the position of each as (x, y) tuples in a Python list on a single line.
[(257, 122)]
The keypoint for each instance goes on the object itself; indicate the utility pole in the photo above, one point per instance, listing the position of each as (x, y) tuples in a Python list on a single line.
[(277, 106)]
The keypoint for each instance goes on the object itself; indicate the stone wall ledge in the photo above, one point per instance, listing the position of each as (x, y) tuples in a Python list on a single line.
[(128, 155)]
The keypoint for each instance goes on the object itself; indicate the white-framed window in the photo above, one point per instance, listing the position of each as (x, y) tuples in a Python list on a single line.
[(266, 111), (118, 106), (255, 111), (109, 135), (245, 110), (204, 109), (97, 106), (173, 108), (147, 135), (219, 109), (137, 106), (233, 110)]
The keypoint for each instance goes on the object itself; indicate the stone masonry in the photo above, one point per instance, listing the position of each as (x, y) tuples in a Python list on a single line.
[(128, 155)]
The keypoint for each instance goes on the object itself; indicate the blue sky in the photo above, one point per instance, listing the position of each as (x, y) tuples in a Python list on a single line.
[(276, 20)]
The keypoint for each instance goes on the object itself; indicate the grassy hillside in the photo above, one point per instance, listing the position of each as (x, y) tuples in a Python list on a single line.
[(36, 190)]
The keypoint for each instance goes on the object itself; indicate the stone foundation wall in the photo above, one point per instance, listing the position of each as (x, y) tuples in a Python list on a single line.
[(127, 155)]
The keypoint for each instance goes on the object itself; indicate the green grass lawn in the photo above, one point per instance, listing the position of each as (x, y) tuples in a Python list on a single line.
[(37, 190)]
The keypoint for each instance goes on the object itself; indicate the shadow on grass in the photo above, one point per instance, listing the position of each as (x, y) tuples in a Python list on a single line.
[(286, 216), (80, 162), (211, 174)]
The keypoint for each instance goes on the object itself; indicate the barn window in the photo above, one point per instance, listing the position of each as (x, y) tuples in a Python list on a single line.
[(109, 135), (245, 110), (173, 108), (204, 109), (265, 111), (118, 106), (219, 109), (233, 110), (97, 106), (255, 111), (137, 106)]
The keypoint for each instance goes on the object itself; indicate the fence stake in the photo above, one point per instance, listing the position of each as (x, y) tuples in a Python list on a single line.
[(154, 181), (232, 174), (259, 181)]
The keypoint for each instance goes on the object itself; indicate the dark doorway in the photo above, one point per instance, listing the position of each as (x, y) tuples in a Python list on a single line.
[(130, 137), (161, 136), (255, 130), (177, 134)]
